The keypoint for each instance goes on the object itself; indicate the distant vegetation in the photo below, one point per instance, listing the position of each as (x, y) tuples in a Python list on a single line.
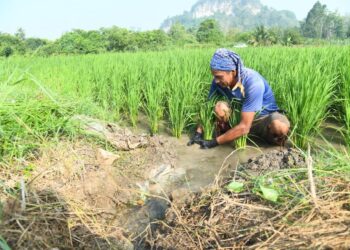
[(320, 27)]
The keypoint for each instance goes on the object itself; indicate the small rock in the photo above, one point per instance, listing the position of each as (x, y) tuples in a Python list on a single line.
[(106, 158)]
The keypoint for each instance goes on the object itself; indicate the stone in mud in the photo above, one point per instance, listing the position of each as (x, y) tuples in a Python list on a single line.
[(153, 210), (156, 209), (106, 158), (166, 175)]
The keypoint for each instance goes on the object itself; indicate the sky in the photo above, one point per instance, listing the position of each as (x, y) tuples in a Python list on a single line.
[(51, 18)]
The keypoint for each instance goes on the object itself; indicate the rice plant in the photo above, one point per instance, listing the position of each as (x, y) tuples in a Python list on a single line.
[(344, 92), (154, 95), (133, 93), (171, 85), (28, 118), (182, 95), (176, 108), (207, 119), (177, 112), (235, 119), (308, 91)]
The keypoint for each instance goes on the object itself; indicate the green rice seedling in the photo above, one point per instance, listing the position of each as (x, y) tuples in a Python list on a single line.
[(133, 95), (176, 92), (177, 112), (344, 92), (27, 120), (3, 244), (308, 89), (99, 82), (153, 91), (117, 93), (235, 118), (183, 93), (174, 83), (177, 102), (207, 119), (133, 88), (188, 87), (108, 88)]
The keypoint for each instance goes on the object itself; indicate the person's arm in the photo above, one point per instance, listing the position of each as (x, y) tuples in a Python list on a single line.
[(239, 130)]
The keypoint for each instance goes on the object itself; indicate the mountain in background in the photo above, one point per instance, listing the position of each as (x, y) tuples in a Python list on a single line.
[(241, 14)]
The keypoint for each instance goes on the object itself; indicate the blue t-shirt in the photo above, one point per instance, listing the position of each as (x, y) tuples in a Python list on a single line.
[(258, 94)]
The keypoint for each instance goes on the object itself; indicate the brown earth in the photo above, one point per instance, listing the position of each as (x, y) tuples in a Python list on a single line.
[(88, 195)]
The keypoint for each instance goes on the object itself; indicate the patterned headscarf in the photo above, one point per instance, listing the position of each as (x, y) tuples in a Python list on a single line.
[(226, 60)]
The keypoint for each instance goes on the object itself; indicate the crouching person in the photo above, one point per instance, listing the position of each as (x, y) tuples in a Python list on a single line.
[(259, 115)]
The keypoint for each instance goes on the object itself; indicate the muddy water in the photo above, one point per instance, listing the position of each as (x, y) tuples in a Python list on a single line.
[(198, 169), (202, 166)]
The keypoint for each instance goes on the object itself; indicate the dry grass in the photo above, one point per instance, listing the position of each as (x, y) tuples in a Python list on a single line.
[(48, 222), (217, 219)]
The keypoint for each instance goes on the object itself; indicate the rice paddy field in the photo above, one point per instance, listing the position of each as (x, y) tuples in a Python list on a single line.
[(311, 84), (168, 91)]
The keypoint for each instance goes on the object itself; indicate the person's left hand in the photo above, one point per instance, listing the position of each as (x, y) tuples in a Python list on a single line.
[(208, 144), (196, 138)]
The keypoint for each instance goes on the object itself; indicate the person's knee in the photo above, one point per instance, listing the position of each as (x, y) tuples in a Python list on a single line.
[(279, 128), (222, 111)]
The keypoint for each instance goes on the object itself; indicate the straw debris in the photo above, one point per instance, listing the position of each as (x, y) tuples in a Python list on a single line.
[(218, 219)]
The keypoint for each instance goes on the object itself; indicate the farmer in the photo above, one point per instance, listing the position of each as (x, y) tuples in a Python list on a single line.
[(260, 115)]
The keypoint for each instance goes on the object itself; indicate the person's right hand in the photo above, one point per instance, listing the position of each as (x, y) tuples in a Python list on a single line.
[(196, 138)]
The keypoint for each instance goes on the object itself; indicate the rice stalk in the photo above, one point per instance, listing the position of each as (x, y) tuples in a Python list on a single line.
[(207, 118), (344, 93), (154, 95), (308, 91), (133, 94), (234, 120)]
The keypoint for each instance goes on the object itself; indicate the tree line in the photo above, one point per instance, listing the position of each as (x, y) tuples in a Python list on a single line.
[(320, 23)]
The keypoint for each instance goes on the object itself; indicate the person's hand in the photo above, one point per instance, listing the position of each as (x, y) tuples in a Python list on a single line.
[(196, 138), (208, 144)]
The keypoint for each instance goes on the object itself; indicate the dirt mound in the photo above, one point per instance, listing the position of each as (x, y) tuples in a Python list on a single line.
[(277, 159), (217, 218), (271, 161)]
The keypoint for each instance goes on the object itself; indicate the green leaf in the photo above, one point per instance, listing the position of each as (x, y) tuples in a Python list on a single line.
[(3, 244), (235, 187), (269, 193)]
